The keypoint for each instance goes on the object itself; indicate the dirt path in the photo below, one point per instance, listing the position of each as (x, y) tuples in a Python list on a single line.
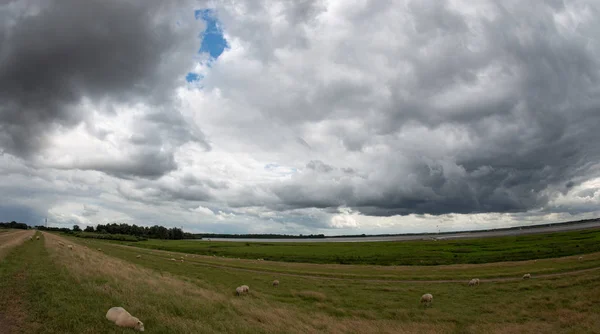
[(194, 260), (11, 239)]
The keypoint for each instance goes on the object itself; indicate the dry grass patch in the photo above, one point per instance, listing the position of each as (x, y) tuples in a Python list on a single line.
[(11, 239)]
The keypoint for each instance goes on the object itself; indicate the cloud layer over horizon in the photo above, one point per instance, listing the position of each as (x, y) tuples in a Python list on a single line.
[(300, 117)]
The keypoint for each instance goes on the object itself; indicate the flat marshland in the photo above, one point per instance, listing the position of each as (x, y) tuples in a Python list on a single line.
[(484, 250), (48, 288)]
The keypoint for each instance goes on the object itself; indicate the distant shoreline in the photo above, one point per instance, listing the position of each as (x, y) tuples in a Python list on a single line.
[(517, 230)]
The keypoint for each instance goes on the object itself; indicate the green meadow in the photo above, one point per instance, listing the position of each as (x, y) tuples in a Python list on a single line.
[(47, 288), (426, 252)]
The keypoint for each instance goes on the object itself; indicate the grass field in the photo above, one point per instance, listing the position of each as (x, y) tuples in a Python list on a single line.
[(47, 288), (512, 248)]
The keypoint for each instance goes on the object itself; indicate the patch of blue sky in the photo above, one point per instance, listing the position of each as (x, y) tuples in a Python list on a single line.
[(193, 77), (271, 166), (280, 170), (213, 41)]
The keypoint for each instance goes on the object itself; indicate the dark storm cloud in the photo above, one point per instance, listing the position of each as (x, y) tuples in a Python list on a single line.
[(56, 53), (532, 129), (150, 163), (21, 214)]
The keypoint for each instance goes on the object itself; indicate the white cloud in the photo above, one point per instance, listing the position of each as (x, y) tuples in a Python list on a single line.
[(202, 210)]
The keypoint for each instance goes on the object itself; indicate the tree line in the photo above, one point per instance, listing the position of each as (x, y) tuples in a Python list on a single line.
[(14, 224), (153, 232)]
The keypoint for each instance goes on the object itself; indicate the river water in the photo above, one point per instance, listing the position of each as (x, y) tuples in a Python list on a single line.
[(444, 236)]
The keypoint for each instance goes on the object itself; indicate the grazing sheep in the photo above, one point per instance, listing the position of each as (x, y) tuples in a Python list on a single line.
[(122, 318), (276, 283), (427, 299), (526, 276), (172, 259), (99, 249), (37, 237), (70, 247), (239, 291), (473, 282), (139, 256), (30, 238), (580, 258), (61, 243), (245, 288)]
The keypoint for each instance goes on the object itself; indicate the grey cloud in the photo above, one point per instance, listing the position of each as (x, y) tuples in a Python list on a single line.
[(89, 211), (319, 166), (191, 180), (55, 54), (303, 143), (149, 162), (587, 192), (154, 192), (521, 88)]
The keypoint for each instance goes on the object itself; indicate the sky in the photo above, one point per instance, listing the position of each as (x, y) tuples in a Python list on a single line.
[(299, 117)]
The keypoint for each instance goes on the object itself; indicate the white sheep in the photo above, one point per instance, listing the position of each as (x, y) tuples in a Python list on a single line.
[(139, 256), (122, 318), (473, 282), (276, 283), (526, 276), (30, 238), (61, 243), (70, 247), (245, 288), (172, 259), (37, 237), (580, 258), (99, 249), (239, 291), (427, 298)]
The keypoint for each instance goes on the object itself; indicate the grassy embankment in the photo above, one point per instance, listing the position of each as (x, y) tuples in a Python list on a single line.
[(46, 288)]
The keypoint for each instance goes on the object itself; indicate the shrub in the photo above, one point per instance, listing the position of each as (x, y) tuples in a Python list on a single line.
[(119, 237)]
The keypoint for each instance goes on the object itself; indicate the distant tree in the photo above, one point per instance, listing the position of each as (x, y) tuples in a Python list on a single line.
[(76, 228), (89, 229), (14, 224)]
